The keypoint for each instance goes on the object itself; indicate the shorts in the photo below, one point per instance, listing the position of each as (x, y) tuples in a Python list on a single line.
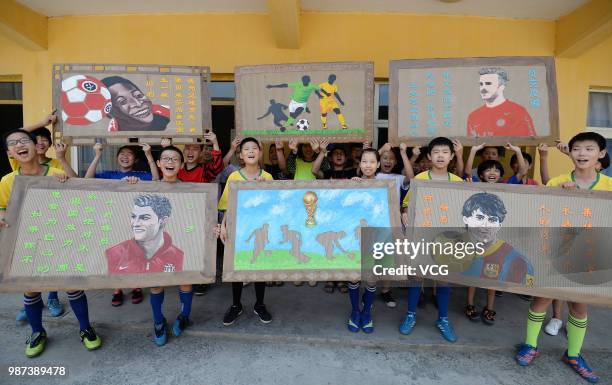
[(328, 106), (293, 105)]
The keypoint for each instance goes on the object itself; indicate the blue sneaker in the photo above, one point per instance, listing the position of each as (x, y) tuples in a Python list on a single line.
[(526, 354), (21, 316), (161, 333), (354, 323), (56, 308), (366, 323), (580, 366), (408, 324), (180, 324), (446, 329)]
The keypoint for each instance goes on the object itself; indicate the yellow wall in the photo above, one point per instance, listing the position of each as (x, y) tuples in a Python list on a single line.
[(225, 40)]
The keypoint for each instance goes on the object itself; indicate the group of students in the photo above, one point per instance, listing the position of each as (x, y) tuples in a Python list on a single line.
[(203, 162)]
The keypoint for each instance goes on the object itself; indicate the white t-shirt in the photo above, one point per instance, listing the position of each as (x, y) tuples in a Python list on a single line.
[(399, 182)]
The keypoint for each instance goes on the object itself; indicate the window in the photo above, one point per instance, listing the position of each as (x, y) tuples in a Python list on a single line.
[(599, 117)]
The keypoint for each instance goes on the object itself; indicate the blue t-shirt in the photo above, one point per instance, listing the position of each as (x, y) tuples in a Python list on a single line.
[(514, 180), (142, 175)]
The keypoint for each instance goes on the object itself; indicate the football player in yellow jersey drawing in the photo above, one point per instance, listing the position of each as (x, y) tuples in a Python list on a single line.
[(328, 102)]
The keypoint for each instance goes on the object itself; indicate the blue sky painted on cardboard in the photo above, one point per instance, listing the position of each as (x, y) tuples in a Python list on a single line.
[(337, 209)]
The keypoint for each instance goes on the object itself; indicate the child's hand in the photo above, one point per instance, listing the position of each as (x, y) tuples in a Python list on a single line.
[(260, 178), (98, 147), (62, 178), (314, 144), (512, 147), (236, 143), (132, 179), (416, 151), (279, 145), (211, 136), (563, 147), (223, 234), (217, 230), (293, 145), (50, 119), (60, 150), (166, 142), (356, 178), (367, 145), (457, 146), (323, 145), (403, 147), (478, 147), (386, 147), (146, 148), (568, 185), (543, 150)]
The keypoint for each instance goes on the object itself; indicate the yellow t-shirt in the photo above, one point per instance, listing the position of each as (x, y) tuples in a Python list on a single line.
[(331, 89), (426, 175), (6, 184), (54, 163), (602, 183), (236, 175)]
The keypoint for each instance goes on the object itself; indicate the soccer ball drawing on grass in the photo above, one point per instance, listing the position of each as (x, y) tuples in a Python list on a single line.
[(84, 100), (302, 124)]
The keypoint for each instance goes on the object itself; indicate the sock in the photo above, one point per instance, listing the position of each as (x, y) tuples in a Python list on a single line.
[(78, 303), (534, 324), (156, 305), (576, 329), (260, 291), (33, 308), (236, 293), (323, 120), (443, 298), (341, 120), (186, 298), (368, 299), (289, 122), (414, 292), (354, 295), (52, 295)]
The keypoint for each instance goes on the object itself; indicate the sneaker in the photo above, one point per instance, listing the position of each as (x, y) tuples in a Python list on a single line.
[(408, 324), (199, 289), (472, 313), (56, 308), (580, 366), (366, 323), (137, 296), (488, 316), (354, 323), (499, 293), (263, 314), (446, 329), (526, 354), (90, 339), (21, 315), (232, 314), (389, 300), (312, 283), (553, 326), (35, 344), (117, 298), (180, 324), (161, 333)]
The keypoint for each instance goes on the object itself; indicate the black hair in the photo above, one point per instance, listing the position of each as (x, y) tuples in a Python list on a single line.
[(370, 151), (605, 161), (135, 150), (439, 141), (338, 147), (112, 80), (398, 160), (489, 164), (172, 148), (13, 131), (527, 157), (44, 132), (501, 151), (247, 140), (588, 136), (489, 204)]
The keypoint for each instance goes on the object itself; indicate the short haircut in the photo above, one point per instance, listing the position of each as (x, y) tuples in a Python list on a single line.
[(134, 150), (159, 204), (44, 132), (605, 161), (489, 164), (440, 141), (526, 156), (340, 148), (371, 151), (500, 72), (247, 140), (14, 131), (588, 136), (489, 204), (112, 80), (501, 151), (172, 148)]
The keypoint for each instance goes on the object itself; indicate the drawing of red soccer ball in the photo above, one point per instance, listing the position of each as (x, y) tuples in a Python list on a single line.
[(84, 100)]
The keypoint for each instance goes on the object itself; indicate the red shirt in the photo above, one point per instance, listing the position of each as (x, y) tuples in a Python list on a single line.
[(507, 119), (128, 257), (205, 173)]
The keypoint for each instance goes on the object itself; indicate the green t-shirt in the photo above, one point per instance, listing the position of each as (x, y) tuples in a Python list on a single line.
[(301, 93), (303, 170)]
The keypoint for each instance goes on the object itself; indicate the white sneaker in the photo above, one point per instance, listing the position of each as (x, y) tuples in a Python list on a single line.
[(553, 326)]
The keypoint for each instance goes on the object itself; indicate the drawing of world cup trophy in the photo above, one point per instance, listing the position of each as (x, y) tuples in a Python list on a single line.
[(310, 202)]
